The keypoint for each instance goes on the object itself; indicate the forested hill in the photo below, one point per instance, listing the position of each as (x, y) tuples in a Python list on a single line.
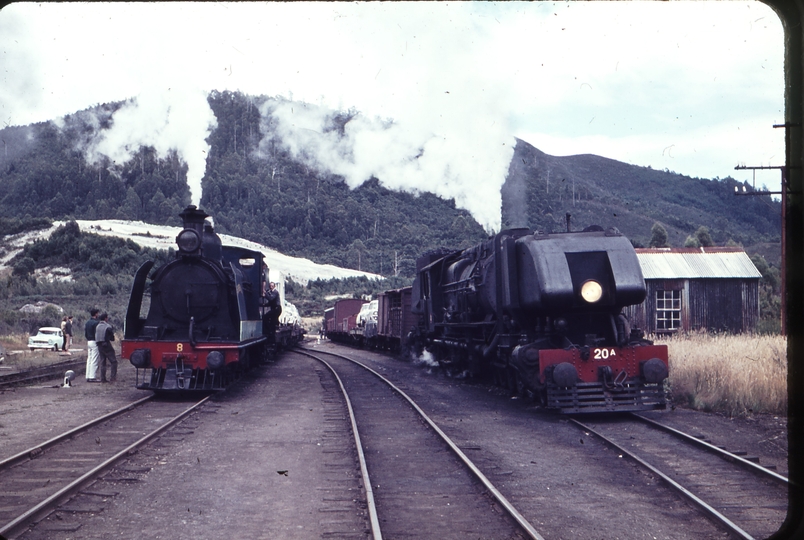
[(261, 193), (597, 190)]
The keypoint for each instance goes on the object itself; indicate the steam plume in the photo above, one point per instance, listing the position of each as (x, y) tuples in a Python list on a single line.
[(174, 120), (465, 160)]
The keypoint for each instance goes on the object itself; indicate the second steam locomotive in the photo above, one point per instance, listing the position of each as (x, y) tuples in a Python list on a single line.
[(210, 315), (542, 313)]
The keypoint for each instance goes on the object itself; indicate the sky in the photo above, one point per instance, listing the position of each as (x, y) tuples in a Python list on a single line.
[(442, 88)]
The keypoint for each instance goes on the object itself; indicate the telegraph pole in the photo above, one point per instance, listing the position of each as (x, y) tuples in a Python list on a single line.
[(783, 193)]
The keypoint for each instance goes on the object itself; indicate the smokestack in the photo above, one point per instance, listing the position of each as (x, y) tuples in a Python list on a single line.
[(189, 240)]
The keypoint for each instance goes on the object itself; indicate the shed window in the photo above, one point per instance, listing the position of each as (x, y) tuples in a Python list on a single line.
[(668, 310)]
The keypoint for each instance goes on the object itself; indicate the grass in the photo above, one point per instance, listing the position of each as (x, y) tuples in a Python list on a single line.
[(732, 374), (19, 358)]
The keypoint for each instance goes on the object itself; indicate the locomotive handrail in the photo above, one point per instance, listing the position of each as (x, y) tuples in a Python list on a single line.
[(192, 327)]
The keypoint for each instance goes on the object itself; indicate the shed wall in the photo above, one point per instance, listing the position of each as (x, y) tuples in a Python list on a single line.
[(714, 304)]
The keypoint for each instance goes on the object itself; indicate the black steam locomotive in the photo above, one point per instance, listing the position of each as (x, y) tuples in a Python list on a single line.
[(208, 318), (543, 314)]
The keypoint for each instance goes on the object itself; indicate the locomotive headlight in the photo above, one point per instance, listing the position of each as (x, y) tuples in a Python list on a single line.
[(141, 358), (591, 291), (215, 360), (188, 241)]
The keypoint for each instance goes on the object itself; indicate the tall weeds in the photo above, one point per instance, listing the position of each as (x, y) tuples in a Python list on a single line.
[(733, 374)]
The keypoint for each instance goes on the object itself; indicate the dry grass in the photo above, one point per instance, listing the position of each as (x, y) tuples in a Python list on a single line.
[(735, 375), (15, 341), (18, 357)]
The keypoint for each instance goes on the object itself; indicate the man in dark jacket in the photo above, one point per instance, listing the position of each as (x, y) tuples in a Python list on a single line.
[(270, 318), (104, 335), (68, 334)]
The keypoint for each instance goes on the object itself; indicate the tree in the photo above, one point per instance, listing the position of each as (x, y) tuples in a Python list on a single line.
[(359, 247), (703, 237), (691, 242), (132, 205), (24, 267), (658, 236)]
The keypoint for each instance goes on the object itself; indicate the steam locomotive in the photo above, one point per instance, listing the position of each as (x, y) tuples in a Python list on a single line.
[(543, 314), (540, 313), (208, 318)]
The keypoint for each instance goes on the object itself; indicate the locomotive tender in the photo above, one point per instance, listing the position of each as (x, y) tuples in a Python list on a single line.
[(542, 312), (204, 324)]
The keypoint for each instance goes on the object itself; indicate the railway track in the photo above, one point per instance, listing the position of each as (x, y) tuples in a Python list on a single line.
[(418, 482), (747, 499), (39, 479), (41, 373)]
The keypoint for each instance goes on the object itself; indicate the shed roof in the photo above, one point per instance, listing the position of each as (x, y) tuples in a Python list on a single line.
[(696, 263)]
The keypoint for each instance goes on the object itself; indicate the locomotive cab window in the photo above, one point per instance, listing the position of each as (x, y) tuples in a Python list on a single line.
[(247, 263), (668, 310)]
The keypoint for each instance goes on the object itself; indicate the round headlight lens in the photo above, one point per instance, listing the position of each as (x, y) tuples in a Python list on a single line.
[(591, 291), (188, 240)]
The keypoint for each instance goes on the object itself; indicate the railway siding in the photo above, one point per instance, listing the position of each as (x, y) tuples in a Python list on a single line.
[(272, 458), (549, 470), (267, 459)]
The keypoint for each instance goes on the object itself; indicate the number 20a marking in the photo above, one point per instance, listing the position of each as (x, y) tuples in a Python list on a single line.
[(603, 354)]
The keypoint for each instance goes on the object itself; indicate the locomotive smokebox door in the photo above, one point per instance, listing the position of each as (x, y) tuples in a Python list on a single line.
[(189, 240)]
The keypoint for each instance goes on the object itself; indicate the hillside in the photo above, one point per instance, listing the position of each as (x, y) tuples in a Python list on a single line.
[(256, 190), (597, 190)]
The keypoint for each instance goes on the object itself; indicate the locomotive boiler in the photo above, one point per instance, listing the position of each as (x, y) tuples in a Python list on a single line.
[(543, 314), (204, 323)]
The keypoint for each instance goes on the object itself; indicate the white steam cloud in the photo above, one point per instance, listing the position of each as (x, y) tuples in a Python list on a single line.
[(464, 160), (177, 120)]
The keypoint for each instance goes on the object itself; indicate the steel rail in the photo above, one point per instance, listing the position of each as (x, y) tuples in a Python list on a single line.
[(47, 505), (714, 449), (50, 371), (36, 450), (681, 489), (376, 532), (512, 511)]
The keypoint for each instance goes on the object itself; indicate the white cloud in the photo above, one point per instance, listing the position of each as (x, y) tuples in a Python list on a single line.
[(622, 79)]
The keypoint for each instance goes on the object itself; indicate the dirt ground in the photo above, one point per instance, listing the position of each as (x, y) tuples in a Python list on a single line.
[(32, 414)]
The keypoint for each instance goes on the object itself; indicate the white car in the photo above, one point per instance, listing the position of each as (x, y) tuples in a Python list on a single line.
[(47, 338)]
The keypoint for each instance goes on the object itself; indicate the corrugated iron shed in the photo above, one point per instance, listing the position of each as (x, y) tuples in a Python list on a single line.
[(696, 263)]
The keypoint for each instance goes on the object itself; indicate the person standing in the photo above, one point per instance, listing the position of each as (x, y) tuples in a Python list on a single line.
[(68, 334), (104, 335), (92, 346), (63, 334), (274, 309)]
